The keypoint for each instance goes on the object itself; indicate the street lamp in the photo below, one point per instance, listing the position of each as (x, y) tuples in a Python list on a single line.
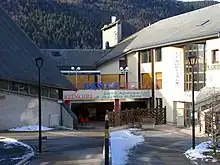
[(77, 69), (192, 61), (125, 71), (39, 63)]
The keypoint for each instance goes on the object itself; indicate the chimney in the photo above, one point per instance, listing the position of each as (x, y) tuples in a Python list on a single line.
[(113, 18)]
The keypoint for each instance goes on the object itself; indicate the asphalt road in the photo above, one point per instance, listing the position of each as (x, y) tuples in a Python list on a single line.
[(65, 147), (160, 148)]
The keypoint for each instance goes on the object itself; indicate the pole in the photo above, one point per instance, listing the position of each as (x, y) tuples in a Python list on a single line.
[(106, 140), (125, 80), (39, 99), (76, 78), (193, 110)]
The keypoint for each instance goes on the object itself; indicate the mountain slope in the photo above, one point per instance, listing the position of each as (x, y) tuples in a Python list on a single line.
[(77, 23)]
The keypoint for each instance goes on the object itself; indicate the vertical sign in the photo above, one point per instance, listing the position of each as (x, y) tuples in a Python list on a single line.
[(177, 67)]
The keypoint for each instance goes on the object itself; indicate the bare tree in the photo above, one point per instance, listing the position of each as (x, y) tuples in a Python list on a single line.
[(212, 120)]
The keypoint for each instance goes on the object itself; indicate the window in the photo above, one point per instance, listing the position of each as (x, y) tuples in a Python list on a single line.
[(122, 63), (56, 54), (146, 81), (4, 84), (159, 80), (146, 56), (33, 90), (158, 53), (159, 102), (54, 93), (18, 87), (45, 92), (199, 71), (215, 56)]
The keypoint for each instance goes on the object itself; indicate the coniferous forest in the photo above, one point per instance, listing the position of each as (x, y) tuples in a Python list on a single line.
[(69, 24)]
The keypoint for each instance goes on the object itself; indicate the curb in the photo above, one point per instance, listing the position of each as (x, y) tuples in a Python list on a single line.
[(25, 160), (119, 128)]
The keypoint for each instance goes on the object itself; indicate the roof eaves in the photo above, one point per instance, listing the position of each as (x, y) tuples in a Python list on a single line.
[(214, 35), (209, 36)]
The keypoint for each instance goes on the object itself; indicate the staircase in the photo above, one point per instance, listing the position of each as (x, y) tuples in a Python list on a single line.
[(74, 117)]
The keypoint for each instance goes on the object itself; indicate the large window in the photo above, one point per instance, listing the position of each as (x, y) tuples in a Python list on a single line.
[(28, 89), (81, 80), (158, 54), (199, 68), (146, 56), (159, 80), (146, 81)]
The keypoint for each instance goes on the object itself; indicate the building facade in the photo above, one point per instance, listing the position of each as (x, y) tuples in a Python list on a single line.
[(155, 61)]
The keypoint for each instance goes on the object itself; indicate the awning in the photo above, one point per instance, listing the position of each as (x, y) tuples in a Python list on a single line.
[(207, 95)]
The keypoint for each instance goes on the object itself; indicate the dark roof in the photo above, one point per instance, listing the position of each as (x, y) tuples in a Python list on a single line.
[(85, 58), (17, 58), (116, 52)]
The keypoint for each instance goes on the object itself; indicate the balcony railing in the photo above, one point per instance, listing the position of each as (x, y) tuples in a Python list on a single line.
[(108, 86)]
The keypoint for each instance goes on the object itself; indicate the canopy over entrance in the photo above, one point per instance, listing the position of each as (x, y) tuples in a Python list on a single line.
[(206, 95)]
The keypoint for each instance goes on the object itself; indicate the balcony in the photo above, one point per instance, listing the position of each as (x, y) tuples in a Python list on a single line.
[(108, 86)]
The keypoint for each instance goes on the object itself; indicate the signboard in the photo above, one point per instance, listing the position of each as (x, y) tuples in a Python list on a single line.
[(177, 66), (213, 67), (105, 94), (99, 85)]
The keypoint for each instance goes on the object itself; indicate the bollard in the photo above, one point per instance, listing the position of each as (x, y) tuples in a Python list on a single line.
[(106, 140)]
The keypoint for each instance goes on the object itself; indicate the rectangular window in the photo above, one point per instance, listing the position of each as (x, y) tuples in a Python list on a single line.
[(4, 84), (146, 81), (146, 56), (159, 102), (215, 56), (122, 63), (45, 92), (18, 87), (158, 53), (122, 81), (199, 71), (33, 90), (54, 93), (159, 80), (110, 81)]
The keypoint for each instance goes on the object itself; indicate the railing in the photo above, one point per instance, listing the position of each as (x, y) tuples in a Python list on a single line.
[(133, 116), (108, 85)]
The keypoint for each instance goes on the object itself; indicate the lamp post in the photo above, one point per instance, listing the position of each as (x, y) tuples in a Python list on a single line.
[(125, 71), (192, 61), (77, 69), (39, 63)]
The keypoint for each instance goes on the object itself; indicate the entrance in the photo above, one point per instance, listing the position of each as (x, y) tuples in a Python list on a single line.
[(95, 110)]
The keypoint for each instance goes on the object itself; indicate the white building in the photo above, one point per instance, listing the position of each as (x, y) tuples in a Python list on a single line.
[(157, 58)]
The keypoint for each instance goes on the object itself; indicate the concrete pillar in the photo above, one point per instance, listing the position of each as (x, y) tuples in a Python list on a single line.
[(117, 109), (117, 106)]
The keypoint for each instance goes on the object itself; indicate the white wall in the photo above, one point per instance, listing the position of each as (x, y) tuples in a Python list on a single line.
[(212, 76), (173, 79), (111, 67), (132, 61), (20, 110), (112, 35)]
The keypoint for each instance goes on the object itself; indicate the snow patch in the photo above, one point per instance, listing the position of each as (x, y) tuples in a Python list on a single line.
[(10, 141), (198, 152), (121, 142), (30, 128)]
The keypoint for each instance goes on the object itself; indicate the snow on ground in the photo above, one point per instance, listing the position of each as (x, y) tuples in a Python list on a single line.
[(10, 141), (197, 153), (30, 128), (121, 142)]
